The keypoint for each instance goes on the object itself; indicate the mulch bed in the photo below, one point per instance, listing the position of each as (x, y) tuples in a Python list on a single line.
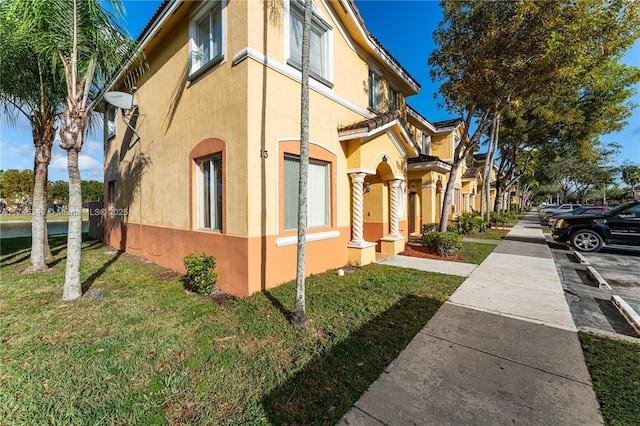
[(425, 253)]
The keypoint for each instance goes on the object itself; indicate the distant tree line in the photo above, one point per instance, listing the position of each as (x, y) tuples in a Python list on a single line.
[(16, 186)]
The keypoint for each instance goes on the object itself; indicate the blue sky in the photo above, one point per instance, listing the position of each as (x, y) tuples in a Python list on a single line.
[(408, 38)]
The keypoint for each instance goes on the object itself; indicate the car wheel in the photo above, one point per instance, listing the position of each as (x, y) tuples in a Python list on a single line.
[(586, 240)]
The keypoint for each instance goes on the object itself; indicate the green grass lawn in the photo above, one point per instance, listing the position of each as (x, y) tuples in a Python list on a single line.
[(489, 234), (475, 252), (614, 366), (58, 217), (137, 349)]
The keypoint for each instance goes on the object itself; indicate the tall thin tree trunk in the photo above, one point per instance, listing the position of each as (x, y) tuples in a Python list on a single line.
[(446, 203), (38, 220), (45, 236), (72, 286), (44, 133), (300, 315)]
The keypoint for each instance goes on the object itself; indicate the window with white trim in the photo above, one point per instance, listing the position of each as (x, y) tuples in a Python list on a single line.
[(110, 119), (319, 55), (318, 193), (426, 143), (210, 193), (375, 91), (393, 99), (206, 32)]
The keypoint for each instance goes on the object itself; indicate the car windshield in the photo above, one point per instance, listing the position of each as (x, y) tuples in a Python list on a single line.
[(578, 210), (614, 212)]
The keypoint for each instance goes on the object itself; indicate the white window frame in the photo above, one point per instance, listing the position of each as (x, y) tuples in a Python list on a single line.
[(197, 65), (215, 211), (110, 119), (318, 23), (326, 221), (375, 90), (426, 143), (395, 95)]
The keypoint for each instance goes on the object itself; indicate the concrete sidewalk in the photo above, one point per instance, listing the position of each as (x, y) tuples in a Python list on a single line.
[(503, 350)]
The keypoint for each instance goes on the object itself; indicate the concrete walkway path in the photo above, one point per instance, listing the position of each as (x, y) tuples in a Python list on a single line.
[(503, 351)]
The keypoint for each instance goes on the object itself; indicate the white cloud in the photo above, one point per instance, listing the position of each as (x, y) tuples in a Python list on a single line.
[(90, 168), (22, 149)]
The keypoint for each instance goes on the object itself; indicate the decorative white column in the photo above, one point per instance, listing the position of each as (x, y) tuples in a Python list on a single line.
[(394, 225), (357, 187), (466, 202)]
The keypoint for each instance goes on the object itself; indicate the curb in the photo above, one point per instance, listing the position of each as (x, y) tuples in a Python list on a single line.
[(627, 311), (595, 275), (579, 256)]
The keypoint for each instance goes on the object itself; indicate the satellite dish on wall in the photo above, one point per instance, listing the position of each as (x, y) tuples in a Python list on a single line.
[(121, 100)]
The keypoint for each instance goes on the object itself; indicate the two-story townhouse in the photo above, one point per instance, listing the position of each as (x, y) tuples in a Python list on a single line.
[(212, 165), (429, 172), (478, 162)]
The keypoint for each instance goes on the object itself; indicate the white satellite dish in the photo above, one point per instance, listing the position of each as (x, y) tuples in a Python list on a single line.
[(121, 100)]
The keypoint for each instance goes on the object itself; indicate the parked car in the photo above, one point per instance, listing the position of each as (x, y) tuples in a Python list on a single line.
[(564, 208), (587, 233), (552, 218), (541, 211)]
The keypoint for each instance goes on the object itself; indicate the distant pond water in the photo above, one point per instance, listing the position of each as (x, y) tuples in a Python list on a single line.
[(23, 229)]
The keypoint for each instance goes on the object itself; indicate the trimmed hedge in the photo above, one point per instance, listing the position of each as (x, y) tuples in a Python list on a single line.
[(446, 243)]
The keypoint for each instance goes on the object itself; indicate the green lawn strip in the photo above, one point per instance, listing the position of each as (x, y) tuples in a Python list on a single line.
[(614, 366), (474, 253), (489, 234), (52, 217), (137, 349)]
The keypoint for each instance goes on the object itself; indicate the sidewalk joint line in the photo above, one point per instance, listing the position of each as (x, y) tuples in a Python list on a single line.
[(368, 414), (507, 359)]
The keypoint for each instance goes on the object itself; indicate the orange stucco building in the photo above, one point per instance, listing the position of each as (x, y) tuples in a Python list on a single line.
[(212, 165)]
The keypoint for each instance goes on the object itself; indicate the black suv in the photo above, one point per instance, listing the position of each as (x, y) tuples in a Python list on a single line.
[(590, 232)]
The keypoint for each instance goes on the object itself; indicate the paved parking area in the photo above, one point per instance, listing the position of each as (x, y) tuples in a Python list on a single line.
[(590, 306)]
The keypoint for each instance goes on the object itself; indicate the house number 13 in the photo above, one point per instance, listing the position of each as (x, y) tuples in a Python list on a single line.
[(264, 153)]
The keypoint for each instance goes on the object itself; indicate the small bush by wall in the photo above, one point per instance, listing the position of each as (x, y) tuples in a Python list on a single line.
[(200, 275)]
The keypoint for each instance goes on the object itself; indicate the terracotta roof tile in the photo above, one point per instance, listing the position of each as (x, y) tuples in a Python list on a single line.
[(377, 42), (153, 19), (423, 158), (480, 156), (471, 173), (374, 122), (447, 123)]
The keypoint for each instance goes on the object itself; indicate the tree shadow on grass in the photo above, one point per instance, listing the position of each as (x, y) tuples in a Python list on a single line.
[(86, 285), (330, 384), (286, 313), (21, 246)]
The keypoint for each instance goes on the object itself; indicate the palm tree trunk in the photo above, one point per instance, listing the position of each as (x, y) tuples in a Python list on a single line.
[(72, 286), (299, 318), (38, 220), (44, 133), (45, 236)]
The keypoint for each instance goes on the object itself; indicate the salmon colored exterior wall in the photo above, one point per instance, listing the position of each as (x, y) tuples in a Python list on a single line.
[(241, 109)]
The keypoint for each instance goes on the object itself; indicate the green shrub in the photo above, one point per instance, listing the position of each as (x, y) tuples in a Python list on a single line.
[(502, 218), (426, 227), (467, 223), (446, 243), (200, 276)]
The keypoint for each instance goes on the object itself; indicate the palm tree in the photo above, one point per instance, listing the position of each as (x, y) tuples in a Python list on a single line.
[(87, 42), (299, 314), (32, 88), (631, 176)]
